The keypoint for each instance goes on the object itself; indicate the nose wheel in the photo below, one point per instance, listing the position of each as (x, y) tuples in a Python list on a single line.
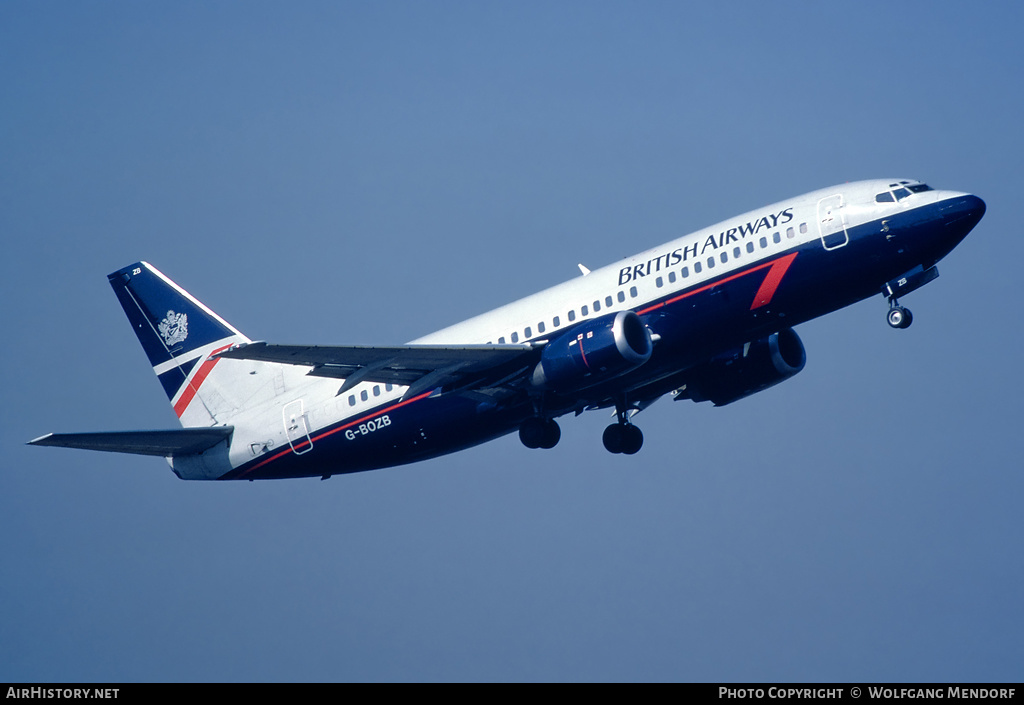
[(898, 316)]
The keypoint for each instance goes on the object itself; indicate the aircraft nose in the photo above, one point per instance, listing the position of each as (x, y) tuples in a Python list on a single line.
[(964, 212)]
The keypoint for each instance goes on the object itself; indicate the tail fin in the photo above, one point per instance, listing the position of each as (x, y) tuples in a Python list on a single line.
[(178, 334)]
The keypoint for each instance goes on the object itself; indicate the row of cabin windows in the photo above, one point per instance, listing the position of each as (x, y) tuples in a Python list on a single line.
[(659, 282), (556, 322), (365, 395), (724, 256)]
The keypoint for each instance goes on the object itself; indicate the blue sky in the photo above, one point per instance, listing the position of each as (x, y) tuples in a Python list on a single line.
[(366, 173)]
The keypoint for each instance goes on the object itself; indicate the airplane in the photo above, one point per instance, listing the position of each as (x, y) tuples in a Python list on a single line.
[(706, 317)]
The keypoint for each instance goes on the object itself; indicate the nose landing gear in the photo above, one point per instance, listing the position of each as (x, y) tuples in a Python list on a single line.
[(898, 316)]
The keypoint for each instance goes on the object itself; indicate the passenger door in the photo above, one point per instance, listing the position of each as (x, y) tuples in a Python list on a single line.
[(296, 427), (832, 222)]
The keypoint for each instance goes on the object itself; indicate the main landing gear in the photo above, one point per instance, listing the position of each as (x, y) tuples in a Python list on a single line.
[(622, 436), (537, 432)]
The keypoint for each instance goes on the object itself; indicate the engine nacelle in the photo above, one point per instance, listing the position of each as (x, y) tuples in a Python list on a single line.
[(593, 352), (748, 370)]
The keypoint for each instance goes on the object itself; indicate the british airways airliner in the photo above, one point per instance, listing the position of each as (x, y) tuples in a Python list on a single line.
[(707, 317)]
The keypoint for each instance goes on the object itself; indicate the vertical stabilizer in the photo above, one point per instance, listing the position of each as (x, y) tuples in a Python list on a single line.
[(178, 334)]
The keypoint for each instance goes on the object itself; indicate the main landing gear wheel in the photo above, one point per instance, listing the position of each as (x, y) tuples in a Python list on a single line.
[(623, 438), (899, 317), (540, 433)]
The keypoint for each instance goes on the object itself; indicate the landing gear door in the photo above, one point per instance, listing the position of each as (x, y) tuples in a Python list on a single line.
[(832, 222), (296, 427)]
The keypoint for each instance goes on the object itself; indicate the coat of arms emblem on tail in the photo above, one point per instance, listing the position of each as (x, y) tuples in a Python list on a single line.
[(174, 328)]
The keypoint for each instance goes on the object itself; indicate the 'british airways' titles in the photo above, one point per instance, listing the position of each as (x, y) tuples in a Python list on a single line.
[(722, 239)]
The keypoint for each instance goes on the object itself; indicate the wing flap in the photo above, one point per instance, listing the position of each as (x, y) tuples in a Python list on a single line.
[(183, 441)]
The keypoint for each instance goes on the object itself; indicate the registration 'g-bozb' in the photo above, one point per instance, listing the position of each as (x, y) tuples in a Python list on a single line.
[(707, 317)]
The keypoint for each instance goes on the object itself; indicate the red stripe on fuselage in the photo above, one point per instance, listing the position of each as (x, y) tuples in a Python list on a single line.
[(771, 282), (776, 269), (343, 427), (193, 385)]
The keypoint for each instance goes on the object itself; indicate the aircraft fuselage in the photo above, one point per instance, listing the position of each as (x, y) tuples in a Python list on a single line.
[(708, 317)]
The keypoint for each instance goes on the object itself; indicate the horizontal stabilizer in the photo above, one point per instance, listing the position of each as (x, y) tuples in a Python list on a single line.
[(183, 441)]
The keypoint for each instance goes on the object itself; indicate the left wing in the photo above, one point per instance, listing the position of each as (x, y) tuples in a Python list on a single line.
[(463, 368)]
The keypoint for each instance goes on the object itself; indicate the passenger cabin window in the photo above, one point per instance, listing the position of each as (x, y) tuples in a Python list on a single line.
[(584, 310), (597, 306), (659, 282), (555, 322), (572, 316), (608, 301), (622, 296), (633, 292), (528, 333), (540, 327), (515, 337)]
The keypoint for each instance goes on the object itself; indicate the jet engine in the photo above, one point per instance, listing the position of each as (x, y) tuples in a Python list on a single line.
[(593, 352), (747, 370)]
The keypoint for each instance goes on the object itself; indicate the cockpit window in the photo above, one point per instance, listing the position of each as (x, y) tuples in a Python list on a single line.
[(900, 191)]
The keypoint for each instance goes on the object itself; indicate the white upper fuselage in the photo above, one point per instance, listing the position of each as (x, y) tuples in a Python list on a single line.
[(655, 273)]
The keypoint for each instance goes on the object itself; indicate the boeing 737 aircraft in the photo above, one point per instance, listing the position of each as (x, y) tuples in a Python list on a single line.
[(707, 317)]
